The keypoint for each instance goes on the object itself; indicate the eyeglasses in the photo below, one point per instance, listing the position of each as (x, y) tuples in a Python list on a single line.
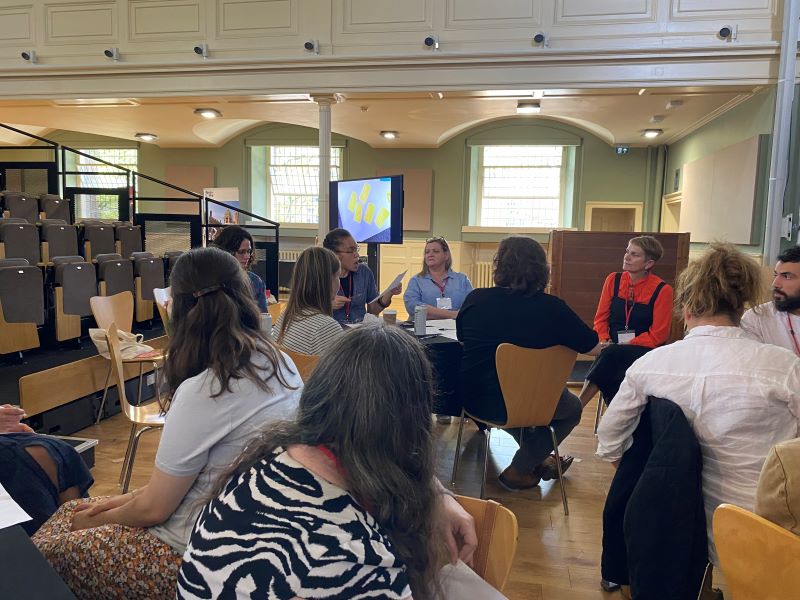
[(351, 250), (245, 252)]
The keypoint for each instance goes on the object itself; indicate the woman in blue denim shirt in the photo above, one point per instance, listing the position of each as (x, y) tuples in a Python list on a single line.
[(437, 286)]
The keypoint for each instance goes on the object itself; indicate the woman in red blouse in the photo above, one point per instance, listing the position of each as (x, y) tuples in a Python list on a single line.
[(634, 315)]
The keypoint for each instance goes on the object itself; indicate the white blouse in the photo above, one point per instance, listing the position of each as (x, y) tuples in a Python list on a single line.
[(740, 396), (767, 324)]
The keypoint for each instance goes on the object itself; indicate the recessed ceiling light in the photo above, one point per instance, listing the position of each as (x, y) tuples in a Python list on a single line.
[(389, 135), (657, 118), (146, 137), (528, 107), (437, 95), (642, 91), (208, 113), (652, 133)]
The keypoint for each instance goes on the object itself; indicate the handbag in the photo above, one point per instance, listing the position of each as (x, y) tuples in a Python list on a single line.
[(130, 344)]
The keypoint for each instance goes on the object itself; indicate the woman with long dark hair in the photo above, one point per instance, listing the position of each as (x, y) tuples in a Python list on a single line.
[(227, 381), (238, 242), (306, 324), (342, 502)]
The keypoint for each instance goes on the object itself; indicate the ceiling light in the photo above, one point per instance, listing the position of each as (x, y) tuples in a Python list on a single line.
[(208, 113), (528, 107), (437, 95), (656, 118), (652, 133), (146, 137), (674, 104), (389, 135), (642, 91)]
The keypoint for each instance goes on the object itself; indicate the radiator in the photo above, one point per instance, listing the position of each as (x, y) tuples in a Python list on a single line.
[(289, 255), (482, 275)]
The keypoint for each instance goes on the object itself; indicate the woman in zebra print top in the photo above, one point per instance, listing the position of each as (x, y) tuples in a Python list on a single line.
[(341, 503)]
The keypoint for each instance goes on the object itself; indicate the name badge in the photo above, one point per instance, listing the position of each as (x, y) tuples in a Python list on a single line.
[(625, 336), (445, 303)]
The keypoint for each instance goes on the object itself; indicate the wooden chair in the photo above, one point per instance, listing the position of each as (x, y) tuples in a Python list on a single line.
[(143, 417), (275, 310), (758, 558), (531, 381), (497, 531), (305, 363), (160, 294), (118, 310)]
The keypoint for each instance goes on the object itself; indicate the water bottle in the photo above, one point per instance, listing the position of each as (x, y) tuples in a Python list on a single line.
[(266, 324), (420, 319)]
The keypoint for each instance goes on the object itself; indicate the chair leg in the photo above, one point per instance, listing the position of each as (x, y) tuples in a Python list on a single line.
[(485, 462), (560, 473), (131, 460), (458, 449), (105, 394), (127, 454), (139, 392), (600, 405)]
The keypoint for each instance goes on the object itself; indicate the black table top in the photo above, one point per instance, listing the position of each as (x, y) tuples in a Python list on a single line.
[(26, 574)]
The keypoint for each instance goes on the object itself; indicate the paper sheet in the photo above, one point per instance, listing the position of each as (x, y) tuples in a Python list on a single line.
[(395, 282), (10, 511), (460, 581)]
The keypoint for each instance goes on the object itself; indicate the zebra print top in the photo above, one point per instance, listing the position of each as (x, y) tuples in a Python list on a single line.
[(279, 532)]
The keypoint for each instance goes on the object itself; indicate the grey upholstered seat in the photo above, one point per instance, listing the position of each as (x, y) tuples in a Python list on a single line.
[(62, 239), (129, 238), (116, 272), (22, 205), (20, 240)]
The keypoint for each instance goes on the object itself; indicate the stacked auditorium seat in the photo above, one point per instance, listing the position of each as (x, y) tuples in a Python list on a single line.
[(19, 239), (114, 274), (20, 205), (128, 239), (21, 305), (74, 284), (149, 274), (54, 207), (58, 239), (98, 238)]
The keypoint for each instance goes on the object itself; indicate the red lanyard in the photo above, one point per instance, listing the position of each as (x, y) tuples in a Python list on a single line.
[(331, 456), (443, 286), (347, 295), (791, 332), (629, 303)]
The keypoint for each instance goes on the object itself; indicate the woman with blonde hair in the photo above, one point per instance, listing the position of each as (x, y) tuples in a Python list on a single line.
[(437, 286), (307, 325), (741, 397)]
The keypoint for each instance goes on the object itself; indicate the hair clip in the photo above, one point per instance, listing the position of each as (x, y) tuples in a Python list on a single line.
[(209, 290)]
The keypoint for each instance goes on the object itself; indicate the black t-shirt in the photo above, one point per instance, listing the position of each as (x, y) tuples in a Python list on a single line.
[(492, 316)]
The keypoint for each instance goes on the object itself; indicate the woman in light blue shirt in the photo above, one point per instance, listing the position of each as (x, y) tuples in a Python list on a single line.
[(437, 286)]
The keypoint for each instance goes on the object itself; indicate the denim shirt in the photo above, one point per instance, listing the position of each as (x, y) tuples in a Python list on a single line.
[(422, 290), (364, 290)]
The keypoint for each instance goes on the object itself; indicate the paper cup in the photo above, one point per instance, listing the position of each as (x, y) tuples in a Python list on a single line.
[(390, 317)]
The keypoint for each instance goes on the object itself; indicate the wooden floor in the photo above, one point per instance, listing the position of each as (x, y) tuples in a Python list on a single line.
[(558, 557)]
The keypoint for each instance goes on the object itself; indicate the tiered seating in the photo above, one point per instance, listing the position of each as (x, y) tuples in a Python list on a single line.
[(20, 205), (128, 239), (75, 283), (58, 239), (21, 305), (114, 274), (98, 238), (19, 239), (52, 206), (149, 274), (171, 257)]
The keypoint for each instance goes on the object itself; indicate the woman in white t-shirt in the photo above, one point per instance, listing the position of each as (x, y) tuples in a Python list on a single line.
[(227, 381), (307, 324)]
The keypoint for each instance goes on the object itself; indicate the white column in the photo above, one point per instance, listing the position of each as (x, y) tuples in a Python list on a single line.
[(324, 103), (781, 132)]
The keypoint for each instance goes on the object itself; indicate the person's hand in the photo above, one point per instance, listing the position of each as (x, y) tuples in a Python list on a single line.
[(396, 290), (339, 302), (10, 420), (458, 529), (92, 509), (82, 520)]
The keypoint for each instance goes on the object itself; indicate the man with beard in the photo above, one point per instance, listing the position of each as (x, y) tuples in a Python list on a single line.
[(778, 322)]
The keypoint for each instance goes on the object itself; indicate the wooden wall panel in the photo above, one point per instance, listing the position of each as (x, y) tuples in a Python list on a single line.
[(580, 261), (252, 18), (161, 20), (588, 11), (472, 14), (81, 22), (387, 15), (418, 192), (16, 25)]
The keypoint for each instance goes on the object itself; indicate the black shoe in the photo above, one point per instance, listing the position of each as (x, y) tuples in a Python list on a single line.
[(609, 586)]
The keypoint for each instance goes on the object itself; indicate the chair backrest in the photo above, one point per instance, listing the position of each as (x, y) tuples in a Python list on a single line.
[(117, 368), (497, 531), (21, 294), (117, 274), (158, 295), (101, 237), (54, 207), (129, 237), (275, 310), (116, 310), (305, 363), (758, 558), (79, 286), (22, 205), (14, 262), (532, 381), (62, 239), (21, 241)]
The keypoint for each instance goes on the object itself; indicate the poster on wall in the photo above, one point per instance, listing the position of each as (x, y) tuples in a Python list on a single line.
[(221, 215)]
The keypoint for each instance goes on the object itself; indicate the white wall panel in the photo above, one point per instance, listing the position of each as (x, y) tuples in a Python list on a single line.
[(80, 22), (387, 15), (252, 18), (609, 11), (165, 19), (511, 14), (16, 25), (716, 9)]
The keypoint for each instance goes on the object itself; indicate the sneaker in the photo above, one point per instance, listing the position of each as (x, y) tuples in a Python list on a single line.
[(444, 419), (515, 480)]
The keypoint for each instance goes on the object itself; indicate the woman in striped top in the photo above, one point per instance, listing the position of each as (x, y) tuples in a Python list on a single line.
[(307, 324), (342, 502)]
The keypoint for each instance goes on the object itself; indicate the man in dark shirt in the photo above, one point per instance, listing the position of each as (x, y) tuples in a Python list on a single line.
[(517, 311)]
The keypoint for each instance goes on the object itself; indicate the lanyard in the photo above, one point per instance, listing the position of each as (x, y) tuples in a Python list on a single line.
[(443, 286), (792, 333), (347, 295), (629, 303)]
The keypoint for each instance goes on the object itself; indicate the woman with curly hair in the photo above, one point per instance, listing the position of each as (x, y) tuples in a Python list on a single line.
[(518, 311)]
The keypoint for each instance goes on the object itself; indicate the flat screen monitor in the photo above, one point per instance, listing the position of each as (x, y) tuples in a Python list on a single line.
[(370, 209)]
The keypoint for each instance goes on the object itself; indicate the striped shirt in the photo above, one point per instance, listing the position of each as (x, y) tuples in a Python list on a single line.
[(311, 334)]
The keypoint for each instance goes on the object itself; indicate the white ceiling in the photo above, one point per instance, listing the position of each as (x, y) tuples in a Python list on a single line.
[(422, 120)]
